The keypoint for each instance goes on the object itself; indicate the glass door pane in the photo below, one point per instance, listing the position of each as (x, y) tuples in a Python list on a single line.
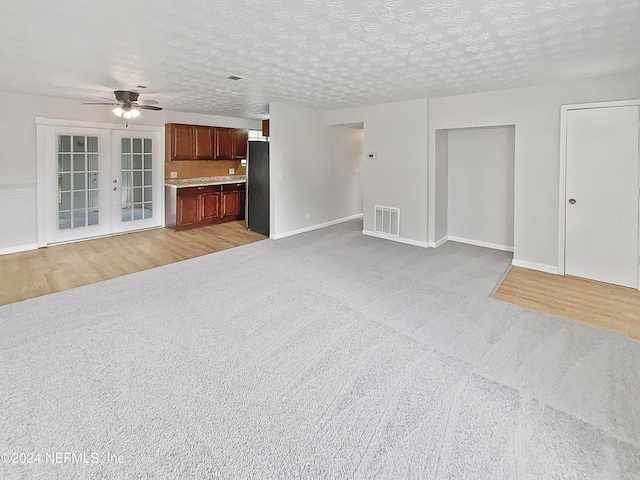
[(78, 181), (137, 179)]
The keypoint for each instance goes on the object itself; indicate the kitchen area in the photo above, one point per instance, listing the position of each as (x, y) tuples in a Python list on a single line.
[(216, 175)]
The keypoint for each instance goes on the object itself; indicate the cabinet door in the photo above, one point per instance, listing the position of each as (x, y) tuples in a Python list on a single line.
[(203, 142), (182, 142), (188, 207), (224, 143), (242, 199), (230, 203), (240, 139), (210, 206)]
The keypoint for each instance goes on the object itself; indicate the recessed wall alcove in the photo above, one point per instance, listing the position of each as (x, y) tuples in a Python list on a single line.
[(474, 182)]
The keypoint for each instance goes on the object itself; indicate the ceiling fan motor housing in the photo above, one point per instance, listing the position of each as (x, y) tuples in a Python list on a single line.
[(126, 97)]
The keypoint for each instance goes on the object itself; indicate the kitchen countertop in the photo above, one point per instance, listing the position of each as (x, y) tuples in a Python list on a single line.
[(204, 181)]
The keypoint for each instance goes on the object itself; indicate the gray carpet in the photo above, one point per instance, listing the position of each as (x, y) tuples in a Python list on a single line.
[(324, 355)]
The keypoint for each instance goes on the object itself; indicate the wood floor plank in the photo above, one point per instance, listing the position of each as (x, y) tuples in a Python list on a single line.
[(47, 270), (601, 304)]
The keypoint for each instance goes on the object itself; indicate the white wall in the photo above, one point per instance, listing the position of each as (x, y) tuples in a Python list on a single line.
[(312, 170), (480, 185), (18, 152), (397, 177), (535, 112)]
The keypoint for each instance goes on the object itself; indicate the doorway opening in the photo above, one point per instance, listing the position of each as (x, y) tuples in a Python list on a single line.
[(346, 154)]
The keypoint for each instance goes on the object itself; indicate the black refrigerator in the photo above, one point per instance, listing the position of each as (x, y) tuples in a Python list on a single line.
[(258, 187)]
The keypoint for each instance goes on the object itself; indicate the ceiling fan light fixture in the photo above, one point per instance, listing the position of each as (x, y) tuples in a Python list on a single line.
[(118, 111), (135, 113)]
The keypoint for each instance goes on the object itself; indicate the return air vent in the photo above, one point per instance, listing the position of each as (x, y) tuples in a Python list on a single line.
[(387, 220)]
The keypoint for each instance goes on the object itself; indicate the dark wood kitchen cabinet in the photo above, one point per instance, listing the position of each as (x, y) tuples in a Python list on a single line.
[(190, 207), (180, 139), (224, 143), (210, 206), (200, 142), (240, 143), (232, 201), (203, 142)]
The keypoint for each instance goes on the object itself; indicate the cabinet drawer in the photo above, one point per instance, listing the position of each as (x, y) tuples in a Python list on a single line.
[(233, 187), (199, 190)]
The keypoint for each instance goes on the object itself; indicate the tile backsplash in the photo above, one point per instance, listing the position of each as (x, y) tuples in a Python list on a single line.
[(202, 168)]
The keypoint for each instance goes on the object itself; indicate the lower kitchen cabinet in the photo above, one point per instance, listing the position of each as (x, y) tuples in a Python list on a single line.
[(188, 211), (191, 207), (230, 200)]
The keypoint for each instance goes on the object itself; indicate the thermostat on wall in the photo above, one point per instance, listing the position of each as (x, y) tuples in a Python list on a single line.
[(371, 155)]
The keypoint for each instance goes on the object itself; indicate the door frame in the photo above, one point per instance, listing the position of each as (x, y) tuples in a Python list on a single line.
[(42, 123), (562, 206)]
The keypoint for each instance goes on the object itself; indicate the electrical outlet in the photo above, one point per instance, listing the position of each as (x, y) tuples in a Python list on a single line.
[(173, 175), (308, 216), (232, 171)]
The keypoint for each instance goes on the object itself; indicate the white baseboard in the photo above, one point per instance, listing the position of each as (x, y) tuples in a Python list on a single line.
[(478, 243), (437, 243), (20, 248), (535, 266), (315, 227), (408, 241)]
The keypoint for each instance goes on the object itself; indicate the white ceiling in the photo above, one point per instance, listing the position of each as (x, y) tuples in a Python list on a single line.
[(317, 53)]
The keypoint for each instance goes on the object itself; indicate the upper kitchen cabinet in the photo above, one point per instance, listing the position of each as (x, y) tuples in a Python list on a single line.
[(180, 139), (240, 143), (199, 142), (204, 143), (224, 143)]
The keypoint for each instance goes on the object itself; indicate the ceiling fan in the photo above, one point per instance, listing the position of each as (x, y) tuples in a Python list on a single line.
[(127, 104)]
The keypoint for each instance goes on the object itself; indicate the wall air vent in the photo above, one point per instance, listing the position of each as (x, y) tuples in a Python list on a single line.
[(233, 77), (386, 220)]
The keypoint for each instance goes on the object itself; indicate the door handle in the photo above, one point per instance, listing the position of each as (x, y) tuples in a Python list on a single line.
[(572, 201), (115, 188)]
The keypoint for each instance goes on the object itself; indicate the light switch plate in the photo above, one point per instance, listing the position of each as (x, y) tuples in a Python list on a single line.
[(173, 175)]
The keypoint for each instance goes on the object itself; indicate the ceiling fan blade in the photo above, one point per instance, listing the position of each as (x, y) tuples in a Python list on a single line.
[(98, 103), (148, 107), (147, 102)]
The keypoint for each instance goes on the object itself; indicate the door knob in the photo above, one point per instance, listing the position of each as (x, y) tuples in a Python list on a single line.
[(572, 201), (115, 188)]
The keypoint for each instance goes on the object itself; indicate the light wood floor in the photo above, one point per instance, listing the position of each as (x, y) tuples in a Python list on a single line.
[(602, 304), (52, 269)]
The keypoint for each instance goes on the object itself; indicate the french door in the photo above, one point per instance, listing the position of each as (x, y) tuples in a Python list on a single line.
[(136, 181), (97, 181)]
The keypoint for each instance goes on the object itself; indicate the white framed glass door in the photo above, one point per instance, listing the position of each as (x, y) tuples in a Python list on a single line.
[(77, 171), (97, 179), (137, 180)]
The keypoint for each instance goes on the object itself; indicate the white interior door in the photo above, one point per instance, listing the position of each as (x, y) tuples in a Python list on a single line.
[(76, 190), (602, 183), (137, 180)]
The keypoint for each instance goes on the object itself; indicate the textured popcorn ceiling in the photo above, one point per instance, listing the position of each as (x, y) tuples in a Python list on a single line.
[(317, 53)]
